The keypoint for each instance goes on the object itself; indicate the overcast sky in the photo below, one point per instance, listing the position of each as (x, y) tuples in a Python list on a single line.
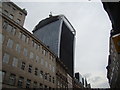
[(92, 27)]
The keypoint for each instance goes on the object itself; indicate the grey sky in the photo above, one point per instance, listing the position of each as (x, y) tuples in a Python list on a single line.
[(92, 27)]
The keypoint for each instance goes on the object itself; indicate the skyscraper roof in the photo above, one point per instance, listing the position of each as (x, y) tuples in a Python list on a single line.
[(51, 19)]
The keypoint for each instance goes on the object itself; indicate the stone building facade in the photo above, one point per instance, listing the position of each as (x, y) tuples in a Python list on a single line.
[(113, 68), (26, 62)]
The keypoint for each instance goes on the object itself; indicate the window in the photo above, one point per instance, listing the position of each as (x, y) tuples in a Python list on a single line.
[(42, 61), (20, 34), (13, 31), (8, 5), (50, 67), (18, 21), (49, 78), (58, 83), (46, 64), (5, 12), (25, 52), (50, 56), (0, 9), (6, 58), (12, 79), (23, 37), (45, 76), (35, 85), (18, 48), (37, 59), (53, 80), (20, 82), (11, 16), (41, 85), (23, 65), (5, 25), (14, 9), (15, 62), (28, 82), (38, 47), (2, 76), (31, 55), (45, 86), (32, 43), (30, 69), (35, 45), (41, 74), (20, 14), (44, 52), (9, 28), (10, 43), (36, 71), (27, 39), (53, 69), (1, 38)]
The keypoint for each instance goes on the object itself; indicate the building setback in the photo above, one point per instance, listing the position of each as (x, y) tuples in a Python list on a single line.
[(59, 35)]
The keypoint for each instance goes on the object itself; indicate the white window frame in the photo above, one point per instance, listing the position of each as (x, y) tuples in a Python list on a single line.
[(10, 43), (18, 48), (37, 58), (25, 52), (31, 55), (15, 62), (6, 58)]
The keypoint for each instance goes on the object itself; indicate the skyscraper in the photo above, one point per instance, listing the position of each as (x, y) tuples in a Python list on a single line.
[(79, 77), (59, 35)]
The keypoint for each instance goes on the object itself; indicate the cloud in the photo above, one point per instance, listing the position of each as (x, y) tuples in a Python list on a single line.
[(98, 82), (87, 75), (104, 84), (96, 79)]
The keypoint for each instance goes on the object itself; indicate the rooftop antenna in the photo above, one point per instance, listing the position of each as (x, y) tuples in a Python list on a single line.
[(50, 15)]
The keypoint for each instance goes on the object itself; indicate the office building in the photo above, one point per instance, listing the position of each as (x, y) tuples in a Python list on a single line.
[(26, 62), (82, 81), (79, 77), (59, 35), (113, 68), (61, 75)]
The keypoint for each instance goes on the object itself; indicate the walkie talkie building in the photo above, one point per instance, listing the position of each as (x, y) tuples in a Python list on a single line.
[(59, 35)]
